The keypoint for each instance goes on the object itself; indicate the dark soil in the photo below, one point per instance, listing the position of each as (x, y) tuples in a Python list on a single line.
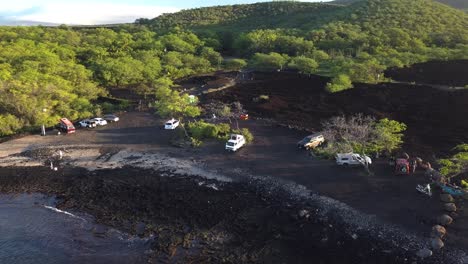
[(436, 118), (450, 73), (192, 223)]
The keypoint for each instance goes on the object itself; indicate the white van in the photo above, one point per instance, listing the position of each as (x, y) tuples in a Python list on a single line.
[(235, 142), (352, 159), (171, 124)]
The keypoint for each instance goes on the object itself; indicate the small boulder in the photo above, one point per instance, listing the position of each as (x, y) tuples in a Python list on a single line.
[(424, 253), (446, 198), (140, 228), (444, 220), (437, 243), (438, 231), (450, 207), (454, 215), (99, 230), (304, 213)]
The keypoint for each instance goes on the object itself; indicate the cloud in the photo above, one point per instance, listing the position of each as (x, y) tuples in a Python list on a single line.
[(83, 13)]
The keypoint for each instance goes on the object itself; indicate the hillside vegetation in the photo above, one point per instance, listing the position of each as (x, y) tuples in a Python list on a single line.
[(47, 73), (353, 43), (460, 4), (250, 16)]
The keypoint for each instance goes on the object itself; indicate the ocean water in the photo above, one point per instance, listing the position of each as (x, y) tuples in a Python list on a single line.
[(32, 230)]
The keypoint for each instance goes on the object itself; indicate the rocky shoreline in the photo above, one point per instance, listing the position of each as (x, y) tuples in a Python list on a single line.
[(199, 220)]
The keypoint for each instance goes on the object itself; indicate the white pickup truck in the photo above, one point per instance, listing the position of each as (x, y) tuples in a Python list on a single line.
[(349, 159), (235, 142)]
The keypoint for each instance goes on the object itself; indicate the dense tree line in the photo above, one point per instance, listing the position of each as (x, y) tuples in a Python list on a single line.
[(257, 14), (356, 43), (48, 73), (460, 4)]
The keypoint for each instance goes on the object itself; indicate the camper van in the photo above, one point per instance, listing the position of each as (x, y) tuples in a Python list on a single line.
[(66, 126)]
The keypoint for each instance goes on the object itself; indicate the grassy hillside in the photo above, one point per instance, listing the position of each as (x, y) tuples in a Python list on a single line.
[(303, 15), (460, 4), (247, 17), (64, 70), (354, 43)]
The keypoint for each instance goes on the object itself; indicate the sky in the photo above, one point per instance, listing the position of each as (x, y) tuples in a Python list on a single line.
[(89, 12)]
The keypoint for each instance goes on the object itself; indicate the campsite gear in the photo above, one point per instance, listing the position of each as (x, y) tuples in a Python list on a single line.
[(425, 189), (402, 166), (452, 190)]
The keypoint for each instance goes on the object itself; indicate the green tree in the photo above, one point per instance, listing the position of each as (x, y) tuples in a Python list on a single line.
[(121, 71), (234, 64), (9, 124), (339, 83), (388, 136), (171, 103), (456, 164), (271, 61), (304, 65), (212, 56)]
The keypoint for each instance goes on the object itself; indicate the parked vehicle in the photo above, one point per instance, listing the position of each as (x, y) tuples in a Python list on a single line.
[(87, 123), (311, 141), (235, 142), (99, 121), (66, 126), (352, 159), (244, 117), (402, 166), (111, 118), (172, 124)]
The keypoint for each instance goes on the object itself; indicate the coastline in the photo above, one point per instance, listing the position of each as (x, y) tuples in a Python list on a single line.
[(197, 212)]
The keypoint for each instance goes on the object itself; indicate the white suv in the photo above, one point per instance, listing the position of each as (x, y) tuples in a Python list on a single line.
[(171, 124), (99, 121), (87, 123)]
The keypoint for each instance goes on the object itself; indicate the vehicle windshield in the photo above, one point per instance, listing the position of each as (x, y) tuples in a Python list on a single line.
[(168, 124), (230, 144)]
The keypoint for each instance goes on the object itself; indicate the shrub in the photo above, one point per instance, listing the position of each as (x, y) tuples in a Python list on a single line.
[(234, 64), (464, 184), (201, 130), (223, 130), (195, 142), (107, 107), (124, 105), (9, 124), (260, 98), (339, 83), (457, 163), (246, 133), (362, 134)]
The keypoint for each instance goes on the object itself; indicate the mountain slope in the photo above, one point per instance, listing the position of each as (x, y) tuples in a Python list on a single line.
[(460, 4), (249, 16), (419, 18), (355, 42), (415, 14)]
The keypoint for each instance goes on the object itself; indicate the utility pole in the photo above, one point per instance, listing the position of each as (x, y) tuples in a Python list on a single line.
[(43, 131)]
